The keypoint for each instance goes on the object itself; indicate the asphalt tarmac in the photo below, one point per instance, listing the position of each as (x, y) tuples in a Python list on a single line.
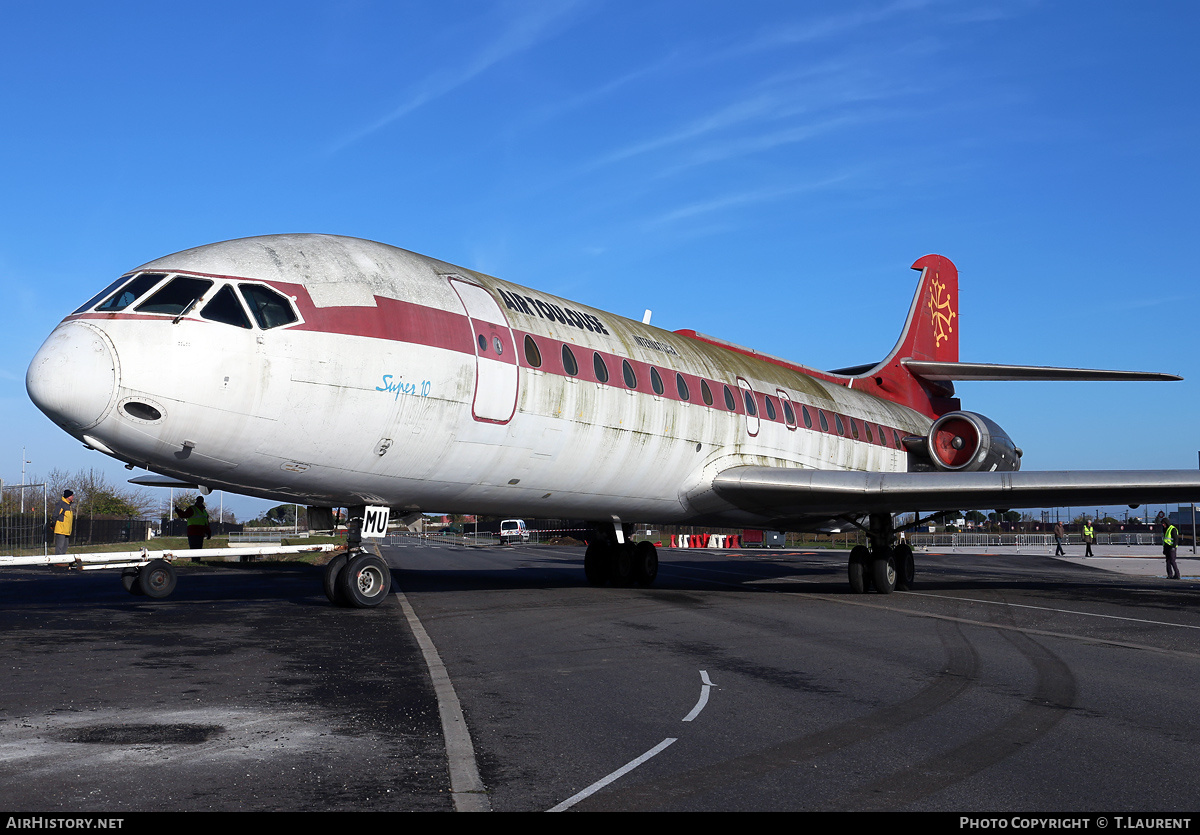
[(749, 681)]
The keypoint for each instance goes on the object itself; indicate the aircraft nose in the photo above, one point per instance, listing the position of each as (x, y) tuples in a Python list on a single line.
[(73, 377)]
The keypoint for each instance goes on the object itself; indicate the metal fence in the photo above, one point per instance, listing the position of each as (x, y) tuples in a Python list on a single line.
[(23, 515), (1018, 540)]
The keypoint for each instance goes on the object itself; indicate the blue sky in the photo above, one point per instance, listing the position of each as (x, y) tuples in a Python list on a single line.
[(761, 171)]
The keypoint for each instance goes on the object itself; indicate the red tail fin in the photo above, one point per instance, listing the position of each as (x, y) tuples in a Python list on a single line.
[(930, 334)]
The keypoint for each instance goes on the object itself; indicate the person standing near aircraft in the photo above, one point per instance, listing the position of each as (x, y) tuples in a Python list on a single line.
[(1059, 536), (198, 528), (1089, 536), (64, 522), (1170, 541)]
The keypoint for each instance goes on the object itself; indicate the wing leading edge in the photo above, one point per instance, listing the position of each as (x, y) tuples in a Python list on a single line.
[(783, 494)]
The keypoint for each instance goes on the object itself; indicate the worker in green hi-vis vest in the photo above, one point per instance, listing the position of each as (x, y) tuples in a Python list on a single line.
[(1170, 542)]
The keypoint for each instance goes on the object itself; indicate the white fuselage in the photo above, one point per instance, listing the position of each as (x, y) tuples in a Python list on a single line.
[(410, 382)]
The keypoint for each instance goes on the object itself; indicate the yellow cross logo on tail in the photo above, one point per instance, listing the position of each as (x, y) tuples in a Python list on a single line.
[(939, 306)]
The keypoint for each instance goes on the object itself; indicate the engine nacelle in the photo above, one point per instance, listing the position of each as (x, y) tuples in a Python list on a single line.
[(969, 442)]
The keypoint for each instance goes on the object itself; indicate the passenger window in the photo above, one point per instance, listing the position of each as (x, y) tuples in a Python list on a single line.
[(681, 387), (599, 367), (706, 393), (656, 382), (270, 309), (131, 292), (899, 443), (730, 403), (225, 308), (178, 296), (482, 344), (824, 422), (867, 427), (498, 345), (627, 373), (807, 417), (569, 364), (770, 407), (853, 428), (837, 419), (532, 355), (751, 408), (789, 414)]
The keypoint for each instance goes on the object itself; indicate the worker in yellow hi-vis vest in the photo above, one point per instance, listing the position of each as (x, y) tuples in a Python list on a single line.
[(1089, 536), (198, 528), (1170, 543)]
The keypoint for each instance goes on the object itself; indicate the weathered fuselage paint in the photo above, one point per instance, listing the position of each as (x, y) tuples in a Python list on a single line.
[(411, 382)]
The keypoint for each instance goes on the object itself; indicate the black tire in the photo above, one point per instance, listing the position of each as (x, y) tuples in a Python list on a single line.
[(129, 579), (366, 581), (645, 563), (906, 568), (883, 571), (156, 579), (594, 559), (620, 565), (333, 570), (859, 563)]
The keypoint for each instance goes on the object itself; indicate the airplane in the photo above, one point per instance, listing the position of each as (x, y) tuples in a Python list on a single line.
[(340, 372)]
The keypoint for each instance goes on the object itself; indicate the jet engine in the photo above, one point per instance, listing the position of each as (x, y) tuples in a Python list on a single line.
[(969, 442)]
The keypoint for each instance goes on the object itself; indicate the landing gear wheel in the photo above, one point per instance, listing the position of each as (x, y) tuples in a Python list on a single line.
[(593, 563), (366, 581), (620, 568), (906, 568), (645, 563), (883, 571), (129, 578), (156, 579), (860, 561), (333, 570)]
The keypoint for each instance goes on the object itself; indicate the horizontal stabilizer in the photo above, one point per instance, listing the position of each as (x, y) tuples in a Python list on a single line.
[(992, 371), (784, 493)]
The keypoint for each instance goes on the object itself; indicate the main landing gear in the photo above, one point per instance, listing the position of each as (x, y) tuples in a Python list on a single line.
[(884, 566), (357, 578), (620, 563)]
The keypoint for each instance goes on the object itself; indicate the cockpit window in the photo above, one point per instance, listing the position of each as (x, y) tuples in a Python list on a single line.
[(131, 292), (270, 309), (88, 304), (225, 308), (178, 296)]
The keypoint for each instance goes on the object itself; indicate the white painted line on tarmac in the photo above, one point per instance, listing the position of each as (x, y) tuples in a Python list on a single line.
[(620, 772), (1047, 609), (466, 786), (705, 686)]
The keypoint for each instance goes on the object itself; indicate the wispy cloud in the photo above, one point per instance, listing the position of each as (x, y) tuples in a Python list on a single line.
[(536, 23), (747, 198)]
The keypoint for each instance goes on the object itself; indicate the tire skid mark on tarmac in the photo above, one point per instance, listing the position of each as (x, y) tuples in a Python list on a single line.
[(959, 674), (1052, 699)]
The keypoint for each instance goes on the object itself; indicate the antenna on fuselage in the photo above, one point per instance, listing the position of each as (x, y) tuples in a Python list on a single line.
[(646, 318)]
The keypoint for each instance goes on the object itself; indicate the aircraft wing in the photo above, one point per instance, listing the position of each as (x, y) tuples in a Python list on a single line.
[(784, 493)]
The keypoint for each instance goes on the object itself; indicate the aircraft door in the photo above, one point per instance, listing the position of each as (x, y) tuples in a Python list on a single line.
[(495, 398), (750, 404)]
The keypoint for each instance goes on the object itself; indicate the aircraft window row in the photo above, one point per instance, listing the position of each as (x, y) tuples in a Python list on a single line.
[(179, 295), (533, 356)]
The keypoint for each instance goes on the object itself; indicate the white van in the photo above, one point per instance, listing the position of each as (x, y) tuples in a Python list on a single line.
[(513, 530)]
